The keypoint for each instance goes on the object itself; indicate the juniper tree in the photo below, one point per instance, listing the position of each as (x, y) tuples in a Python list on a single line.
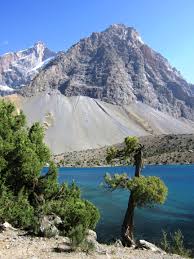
[(144, 191), (26, 193)]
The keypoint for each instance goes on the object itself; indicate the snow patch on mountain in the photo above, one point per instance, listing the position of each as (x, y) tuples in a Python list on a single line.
[(42, 64), (5, 88), (17, 69)]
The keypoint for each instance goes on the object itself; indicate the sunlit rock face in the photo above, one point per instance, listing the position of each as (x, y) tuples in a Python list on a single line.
[(17, 69), (104, 88), (117, 67)]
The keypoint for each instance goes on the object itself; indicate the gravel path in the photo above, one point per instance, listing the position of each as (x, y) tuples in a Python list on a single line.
[(16, 245)]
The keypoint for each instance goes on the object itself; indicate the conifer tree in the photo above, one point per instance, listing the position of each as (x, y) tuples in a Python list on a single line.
[(144, 191)]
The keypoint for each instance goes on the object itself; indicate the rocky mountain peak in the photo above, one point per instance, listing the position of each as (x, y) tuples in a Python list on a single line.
[(42, 51), (18, 68), (39, 43), (117, 67), (124, 32)]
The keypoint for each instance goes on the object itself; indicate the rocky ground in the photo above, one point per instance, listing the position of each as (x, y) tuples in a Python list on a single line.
[(162, 149), (16, 244)]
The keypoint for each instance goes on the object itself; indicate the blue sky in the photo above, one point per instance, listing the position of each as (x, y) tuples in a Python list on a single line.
[(165, 25)]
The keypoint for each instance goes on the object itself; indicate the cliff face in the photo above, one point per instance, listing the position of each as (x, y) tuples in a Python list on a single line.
[(117, 67), (17, 69)]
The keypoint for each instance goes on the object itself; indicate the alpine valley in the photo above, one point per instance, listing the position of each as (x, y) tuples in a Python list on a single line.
[(105, 87)]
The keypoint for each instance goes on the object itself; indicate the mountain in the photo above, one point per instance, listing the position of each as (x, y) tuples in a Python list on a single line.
[(104, 88), (117, 67), (17, 69), (80, 122)]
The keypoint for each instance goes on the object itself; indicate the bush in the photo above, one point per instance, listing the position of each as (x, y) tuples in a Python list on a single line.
[(16, 209), (78, 239), (77, 236), (73, 211), (26, 194), (174, 244)]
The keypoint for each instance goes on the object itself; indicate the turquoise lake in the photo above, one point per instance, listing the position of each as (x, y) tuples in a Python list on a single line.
[(176, 213)]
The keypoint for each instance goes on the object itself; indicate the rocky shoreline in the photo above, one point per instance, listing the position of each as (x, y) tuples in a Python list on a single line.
[(17, 244), (161, 149)]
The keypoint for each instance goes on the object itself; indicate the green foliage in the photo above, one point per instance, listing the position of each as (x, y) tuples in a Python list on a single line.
[(77, 236), (144, 191), (26, 194), (147, 191), (131, 145), (111, 154), (174, 244), (165, 244), (47, 184), (78, 240), (16, 209), (22, 151), (73, 212), (116, 181)]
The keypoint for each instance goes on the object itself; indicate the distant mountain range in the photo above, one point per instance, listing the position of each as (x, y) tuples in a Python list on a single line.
[(17, 69), (123, 87)]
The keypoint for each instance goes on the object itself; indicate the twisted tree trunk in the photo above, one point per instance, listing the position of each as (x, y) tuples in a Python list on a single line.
[(128, 223)]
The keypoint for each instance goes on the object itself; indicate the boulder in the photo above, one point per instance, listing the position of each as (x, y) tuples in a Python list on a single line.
[(91, 237), (66, 240), (143, 244), (6, 226), (91, 234), (48, 225), (118, 243)]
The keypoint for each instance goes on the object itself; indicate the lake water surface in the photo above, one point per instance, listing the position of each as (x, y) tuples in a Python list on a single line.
[(176, 213)]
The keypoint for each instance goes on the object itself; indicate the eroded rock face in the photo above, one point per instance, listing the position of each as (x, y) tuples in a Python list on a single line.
[(18, 68), (117, 67)]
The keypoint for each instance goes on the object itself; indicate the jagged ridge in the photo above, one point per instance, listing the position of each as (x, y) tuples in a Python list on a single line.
[(17, 69), (116, 66)]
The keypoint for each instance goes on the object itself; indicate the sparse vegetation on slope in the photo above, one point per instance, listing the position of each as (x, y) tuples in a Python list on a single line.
[(162, 149), (173, 243)]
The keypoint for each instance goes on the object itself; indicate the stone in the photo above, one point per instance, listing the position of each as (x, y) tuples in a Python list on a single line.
[(91, 237), (92, 234), (118, 243), (63, 248), (48, 225), (6, 226), (66, 240), (143, 244)]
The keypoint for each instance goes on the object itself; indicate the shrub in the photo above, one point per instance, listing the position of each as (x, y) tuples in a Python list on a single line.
[(16, 209), (174, 244), (77, 236), (26, 194), (73, 211), (78, 239)]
